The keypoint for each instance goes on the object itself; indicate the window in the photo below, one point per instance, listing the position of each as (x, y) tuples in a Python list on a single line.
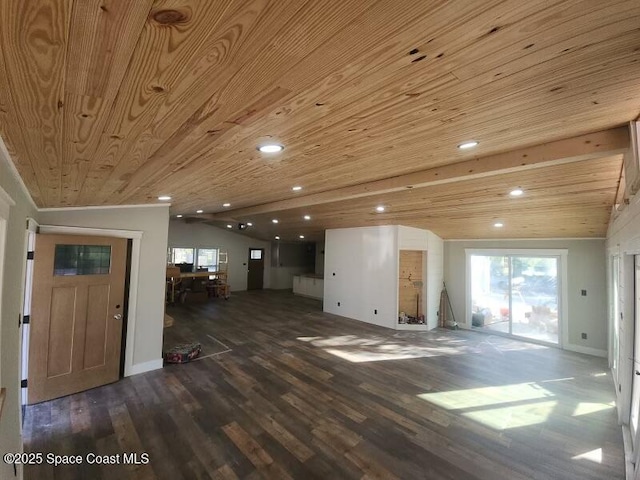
[(82, 260), (517, 293), (198, 258), (208, 258), (256, 254), (181, 255)]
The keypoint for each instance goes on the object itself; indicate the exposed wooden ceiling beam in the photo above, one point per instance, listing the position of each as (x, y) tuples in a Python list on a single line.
[(576, 149)]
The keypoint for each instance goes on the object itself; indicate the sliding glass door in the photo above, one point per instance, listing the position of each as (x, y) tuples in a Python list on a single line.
[(516, 294)]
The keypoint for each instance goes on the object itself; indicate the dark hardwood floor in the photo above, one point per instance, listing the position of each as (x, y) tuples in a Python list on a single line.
[(301, 394)]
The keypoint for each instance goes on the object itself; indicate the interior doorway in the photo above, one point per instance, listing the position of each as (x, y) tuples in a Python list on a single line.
[(255, 271)]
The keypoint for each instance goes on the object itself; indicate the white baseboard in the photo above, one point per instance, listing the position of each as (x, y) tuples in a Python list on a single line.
[(143, 367), (587, 350)]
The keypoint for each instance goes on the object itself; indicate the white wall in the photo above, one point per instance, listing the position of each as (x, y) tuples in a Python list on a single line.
[(586, 270), (623, 240), (11, 308), (154, 223), (182, 234), (361, 272)]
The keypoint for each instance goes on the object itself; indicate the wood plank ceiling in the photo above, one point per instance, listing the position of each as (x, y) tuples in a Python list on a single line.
[(110, 102)]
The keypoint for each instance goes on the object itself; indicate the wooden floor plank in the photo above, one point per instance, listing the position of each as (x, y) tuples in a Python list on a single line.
[(298, 396)]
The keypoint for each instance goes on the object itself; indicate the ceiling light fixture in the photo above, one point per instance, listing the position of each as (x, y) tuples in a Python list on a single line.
[(275, 220), (498, 224), (297, 188), (380, 208), (229, 226), (467, 145), (277, 237), (307, 217), (179, 216), (301, 236), (164, 198), (516, 192), (249, 224), (271, 148), (199, 211), (226, 204)]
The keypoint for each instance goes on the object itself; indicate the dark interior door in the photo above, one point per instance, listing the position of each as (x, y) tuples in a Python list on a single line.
[(255, 274)]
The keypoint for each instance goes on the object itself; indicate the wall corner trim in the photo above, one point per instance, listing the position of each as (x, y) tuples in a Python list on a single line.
[(143, 367)]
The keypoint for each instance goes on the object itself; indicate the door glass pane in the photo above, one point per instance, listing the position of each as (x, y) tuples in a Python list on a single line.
[(534, 297), (489, 292), (82, 260), (256, 254)]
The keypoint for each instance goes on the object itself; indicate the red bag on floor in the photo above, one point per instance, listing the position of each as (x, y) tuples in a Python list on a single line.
[(182, 353)]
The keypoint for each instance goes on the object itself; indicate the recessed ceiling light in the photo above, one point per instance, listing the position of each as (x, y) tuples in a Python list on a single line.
[(466, 145), (277, 237), (275, 220), (164, 198), (307, 217), (301, 236), (199, 211), (380, 208), (498, 224), (271, 148), (179, 216), (226, 204), (516, 192), (229, 226), (297, 188), (249, 224)]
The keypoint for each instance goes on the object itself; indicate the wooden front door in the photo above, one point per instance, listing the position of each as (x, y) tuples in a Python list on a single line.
[(255, 274), (76, 315)]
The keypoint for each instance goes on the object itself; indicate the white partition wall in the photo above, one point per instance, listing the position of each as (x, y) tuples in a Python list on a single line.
[(360, 264), (361, 272)]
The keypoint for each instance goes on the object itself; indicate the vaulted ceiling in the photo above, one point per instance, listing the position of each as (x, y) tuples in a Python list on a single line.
[(110, 102)]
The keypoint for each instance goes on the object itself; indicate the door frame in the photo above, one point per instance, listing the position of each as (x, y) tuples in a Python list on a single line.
[(25, 309), (264, 253), (6, 202), (136, 237)]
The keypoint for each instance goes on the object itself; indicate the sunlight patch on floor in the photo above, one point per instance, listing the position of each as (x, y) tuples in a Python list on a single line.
[(486, 396), (585, 408), (504, 418), (407, 345), (592, 456), (384, 352), (358, 349)]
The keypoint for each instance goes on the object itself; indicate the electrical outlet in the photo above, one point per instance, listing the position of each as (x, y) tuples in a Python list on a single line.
[(584, 336), (583, 293), (375, 311), (338, 303)]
